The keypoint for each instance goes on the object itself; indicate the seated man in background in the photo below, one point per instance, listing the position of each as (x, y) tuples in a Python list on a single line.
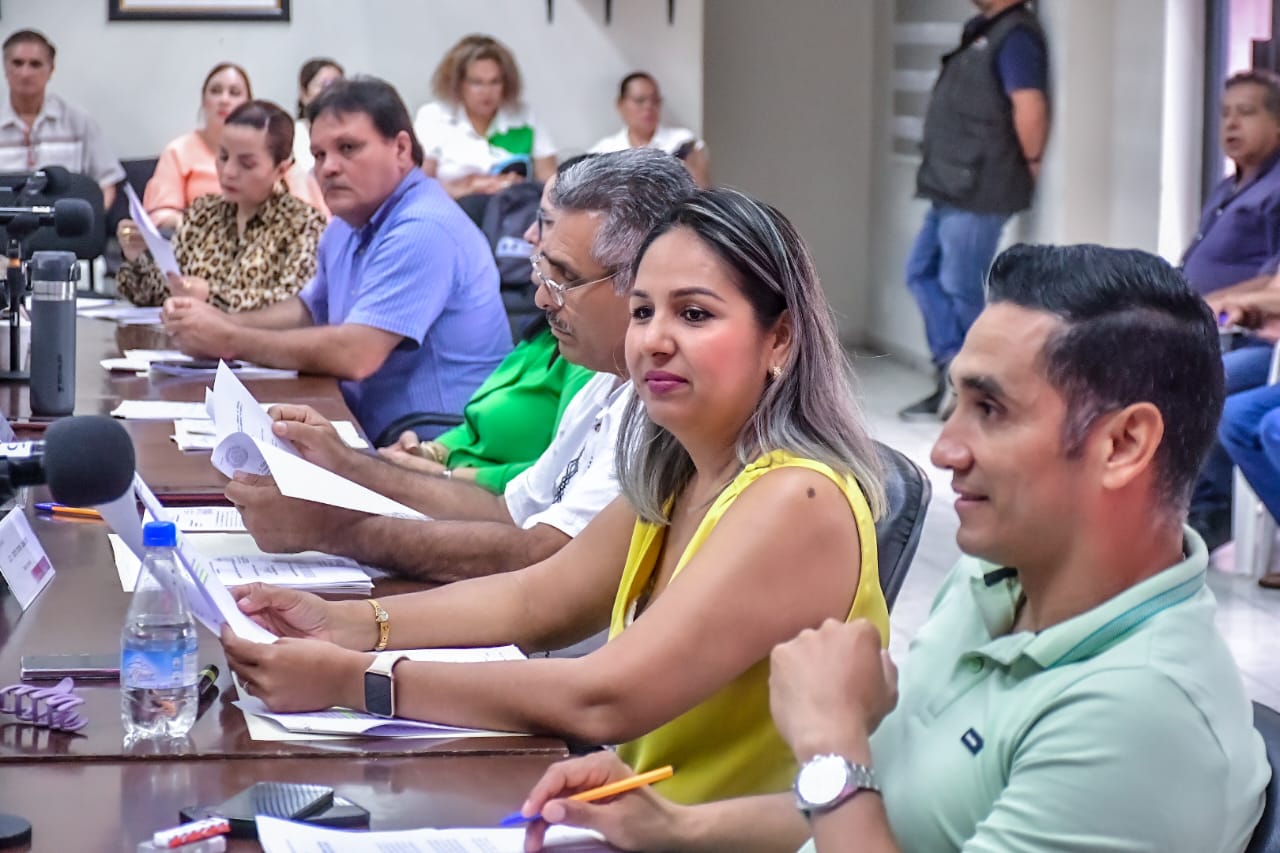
[(1071, 664), (602, 209), (1237, 246), (1250, 429), (1236, 251), (404, 307), (38, 128)]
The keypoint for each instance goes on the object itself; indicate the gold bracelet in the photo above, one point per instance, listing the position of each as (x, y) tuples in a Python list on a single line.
[(383, 619)]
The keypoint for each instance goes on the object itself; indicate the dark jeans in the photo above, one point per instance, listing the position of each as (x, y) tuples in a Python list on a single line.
[(946, 271), (1246, 369)]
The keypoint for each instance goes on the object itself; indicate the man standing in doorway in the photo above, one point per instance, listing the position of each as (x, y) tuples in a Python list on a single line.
[(984, 134)]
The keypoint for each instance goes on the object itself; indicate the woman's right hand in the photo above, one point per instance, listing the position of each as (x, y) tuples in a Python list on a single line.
[(131, 243), (293, 613), (636, 820)]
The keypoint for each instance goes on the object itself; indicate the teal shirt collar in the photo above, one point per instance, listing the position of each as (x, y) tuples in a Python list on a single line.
[(996, 592)]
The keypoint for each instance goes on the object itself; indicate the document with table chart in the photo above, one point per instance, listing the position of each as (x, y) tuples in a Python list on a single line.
[(282, 836), (246, 443)]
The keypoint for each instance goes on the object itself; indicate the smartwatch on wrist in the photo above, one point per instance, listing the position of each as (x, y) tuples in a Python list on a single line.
[(380, 685), (826, 781)]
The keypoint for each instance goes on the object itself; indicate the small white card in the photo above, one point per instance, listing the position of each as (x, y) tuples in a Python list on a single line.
[(23, 562)]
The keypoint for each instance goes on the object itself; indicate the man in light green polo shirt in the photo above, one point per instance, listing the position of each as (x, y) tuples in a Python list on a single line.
[(1069, 690)]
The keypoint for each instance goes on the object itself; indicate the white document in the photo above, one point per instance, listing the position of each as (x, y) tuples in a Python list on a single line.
[(161, 249), (283, 836), (246, 443), (348, 723), (196, 435), (157, 410), (23, 562), (236, 560), (208, 519)]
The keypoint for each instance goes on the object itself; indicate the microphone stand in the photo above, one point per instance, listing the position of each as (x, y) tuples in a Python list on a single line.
[(19, 228)]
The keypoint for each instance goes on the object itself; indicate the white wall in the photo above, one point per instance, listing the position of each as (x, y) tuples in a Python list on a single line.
[(141, 80), (1122, 166), (787, 104)]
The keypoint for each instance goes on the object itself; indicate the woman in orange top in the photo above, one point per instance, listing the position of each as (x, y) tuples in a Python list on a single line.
[(187, 169)]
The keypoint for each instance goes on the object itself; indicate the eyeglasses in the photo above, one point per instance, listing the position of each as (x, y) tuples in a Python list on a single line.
[(555, 288)]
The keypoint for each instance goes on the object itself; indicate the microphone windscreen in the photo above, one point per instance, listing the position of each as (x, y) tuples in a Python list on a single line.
[(88, 460), (72, 217), (56, 180)]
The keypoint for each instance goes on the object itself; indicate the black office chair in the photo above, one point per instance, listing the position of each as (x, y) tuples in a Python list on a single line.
[(1266, 837), (136, 174), (898, 531), (413, 421)]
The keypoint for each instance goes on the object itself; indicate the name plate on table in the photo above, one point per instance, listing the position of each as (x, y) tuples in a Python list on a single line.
[(23, 562)]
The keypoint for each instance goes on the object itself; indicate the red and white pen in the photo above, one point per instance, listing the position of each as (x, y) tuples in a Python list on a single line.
[(168, 839)]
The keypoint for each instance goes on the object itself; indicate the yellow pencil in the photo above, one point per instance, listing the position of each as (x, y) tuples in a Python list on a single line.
[(624, 785), (611, 790)]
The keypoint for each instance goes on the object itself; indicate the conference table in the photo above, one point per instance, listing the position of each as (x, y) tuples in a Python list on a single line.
[(86, 791)]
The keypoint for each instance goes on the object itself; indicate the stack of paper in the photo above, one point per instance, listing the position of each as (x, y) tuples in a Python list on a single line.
[(175, 363), (344, 722), (235, 560), (159, 410), (283, 836)]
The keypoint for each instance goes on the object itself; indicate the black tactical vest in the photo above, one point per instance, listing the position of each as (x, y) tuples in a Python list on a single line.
[(971, 156)]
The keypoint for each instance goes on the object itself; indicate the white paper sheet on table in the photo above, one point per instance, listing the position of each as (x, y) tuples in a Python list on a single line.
[(247, 443), (157, 410), (146, 360), (283, 836), (123, 313), (236, 560), (161, 249), (343, 722)]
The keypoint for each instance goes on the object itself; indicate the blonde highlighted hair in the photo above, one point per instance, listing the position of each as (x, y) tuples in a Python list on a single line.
[(446, 81)]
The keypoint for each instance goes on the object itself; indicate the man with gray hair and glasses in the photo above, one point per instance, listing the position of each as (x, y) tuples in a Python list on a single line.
[(602, 208)]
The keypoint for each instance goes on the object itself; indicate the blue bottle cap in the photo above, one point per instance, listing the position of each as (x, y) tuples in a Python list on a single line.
[(159, 534)]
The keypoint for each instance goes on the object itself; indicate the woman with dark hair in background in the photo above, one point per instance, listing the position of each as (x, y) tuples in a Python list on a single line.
[(314, 77), (186, 167), (640, 108), (249, 246), (478, 135)]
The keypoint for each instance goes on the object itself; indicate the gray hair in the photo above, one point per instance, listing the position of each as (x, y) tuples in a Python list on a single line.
[(811, 411), (635, 189)]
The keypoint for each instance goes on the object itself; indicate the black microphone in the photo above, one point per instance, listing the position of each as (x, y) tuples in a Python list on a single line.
[(86, 460), (70, 217)]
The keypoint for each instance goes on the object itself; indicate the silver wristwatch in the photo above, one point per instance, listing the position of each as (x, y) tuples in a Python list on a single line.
[(826, 781)]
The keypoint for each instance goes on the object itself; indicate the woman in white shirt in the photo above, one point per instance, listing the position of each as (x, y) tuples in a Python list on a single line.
[(315, 76), (640, 107), (478, 136)]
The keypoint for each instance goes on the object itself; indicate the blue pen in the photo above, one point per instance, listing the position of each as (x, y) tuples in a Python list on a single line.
[(610, 790), (74, 511)]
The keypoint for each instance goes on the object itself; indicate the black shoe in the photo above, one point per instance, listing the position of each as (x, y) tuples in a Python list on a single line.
[(925, 410), (1213, 525)]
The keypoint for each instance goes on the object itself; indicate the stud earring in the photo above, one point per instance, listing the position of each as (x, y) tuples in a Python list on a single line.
[(776, 370)]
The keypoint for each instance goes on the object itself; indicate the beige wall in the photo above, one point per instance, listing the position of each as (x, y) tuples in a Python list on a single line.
[(787, 103), (142, 79)]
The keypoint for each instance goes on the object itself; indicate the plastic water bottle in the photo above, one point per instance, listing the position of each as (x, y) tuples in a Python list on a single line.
[(158, 681)]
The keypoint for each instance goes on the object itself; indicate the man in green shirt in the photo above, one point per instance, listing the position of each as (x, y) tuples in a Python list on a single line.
[(1069, 690)]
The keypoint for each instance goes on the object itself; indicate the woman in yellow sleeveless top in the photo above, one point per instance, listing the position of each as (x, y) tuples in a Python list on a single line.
[(749, 489)]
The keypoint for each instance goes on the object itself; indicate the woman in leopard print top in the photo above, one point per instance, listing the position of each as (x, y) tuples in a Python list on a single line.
[(254, 244)]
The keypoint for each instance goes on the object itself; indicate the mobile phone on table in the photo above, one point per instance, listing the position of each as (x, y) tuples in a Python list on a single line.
[(288, 800), (86, 666), (193, 364)]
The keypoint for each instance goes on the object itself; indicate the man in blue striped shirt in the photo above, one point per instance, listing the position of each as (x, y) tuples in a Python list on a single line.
[(404, 308)]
